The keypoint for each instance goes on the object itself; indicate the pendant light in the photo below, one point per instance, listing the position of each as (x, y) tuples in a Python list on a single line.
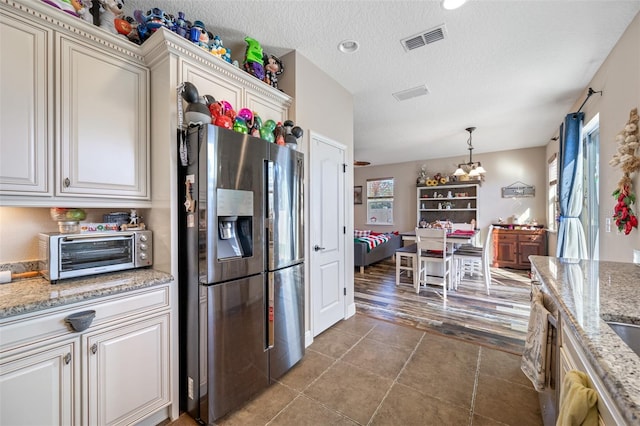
[(473, 169)]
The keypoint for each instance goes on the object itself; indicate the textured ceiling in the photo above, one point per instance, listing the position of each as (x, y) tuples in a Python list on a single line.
[(511, 68)]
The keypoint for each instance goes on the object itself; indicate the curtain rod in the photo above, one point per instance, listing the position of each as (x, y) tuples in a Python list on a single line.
[(591, 92)]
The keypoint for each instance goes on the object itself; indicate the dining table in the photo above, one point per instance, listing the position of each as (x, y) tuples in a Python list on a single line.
[(454, 237)]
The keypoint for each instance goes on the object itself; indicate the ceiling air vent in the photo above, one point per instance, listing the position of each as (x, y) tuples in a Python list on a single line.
[(424, 38), (414, 92)]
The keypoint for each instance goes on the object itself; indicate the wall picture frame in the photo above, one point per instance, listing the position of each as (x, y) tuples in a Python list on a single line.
[(357, 195)]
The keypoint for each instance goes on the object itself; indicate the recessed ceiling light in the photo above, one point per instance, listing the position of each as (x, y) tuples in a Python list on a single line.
[(348, 46), (452, 4)]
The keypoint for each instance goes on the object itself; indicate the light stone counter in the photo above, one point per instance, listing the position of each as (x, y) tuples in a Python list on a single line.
[(590, 293), (35, 294)]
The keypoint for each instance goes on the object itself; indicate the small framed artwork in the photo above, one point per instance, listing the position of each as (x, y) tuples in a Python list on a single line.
[(357, 195)]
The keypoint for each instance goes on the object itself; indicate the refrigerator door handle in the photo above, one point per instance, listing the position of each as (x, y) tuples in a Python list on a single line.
[(269, 223), (270, 310)]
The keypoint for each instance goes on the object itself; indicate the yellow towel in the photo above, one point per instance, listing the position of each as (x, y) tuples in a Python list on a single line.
[(578, 402)]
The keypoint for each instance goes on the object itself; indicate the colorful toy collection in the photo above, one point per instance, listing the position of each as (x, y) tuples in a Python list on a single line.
[(205, 109), (110, 15)]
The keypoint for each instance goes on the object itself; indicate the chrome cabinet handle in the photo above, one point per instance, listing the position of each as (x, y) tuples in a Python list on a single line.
[(317, 248), (94, 348), (67, 358), (67, 182)]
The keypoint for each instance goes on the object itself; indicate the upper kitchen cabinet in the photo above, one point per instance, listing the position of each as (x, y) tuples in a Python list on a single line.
[(174, 60), (103, 123), (26, 67), (75, 112), (207, 84)]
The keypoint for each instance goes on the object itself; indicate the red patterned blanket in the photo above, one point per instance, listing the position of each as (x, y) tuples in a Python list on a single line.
[(372, 241)]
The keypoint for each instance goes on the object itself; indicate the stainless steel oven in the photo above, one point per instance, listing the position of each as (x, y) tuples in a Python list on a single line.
[(75, 255)]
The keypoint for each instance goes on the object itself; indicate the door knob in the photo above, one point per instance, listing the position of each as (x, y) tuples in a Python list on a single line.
[(317, 248)]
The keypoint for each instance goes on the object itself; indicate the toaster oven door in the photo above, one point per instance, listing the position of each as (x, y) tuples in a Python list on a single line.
[(83, 256)]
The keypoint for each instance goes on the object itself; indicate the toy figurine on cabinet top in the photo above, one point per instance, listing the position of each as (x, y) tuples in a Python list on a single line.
[(198, 108), (183, 27), (200, 35), (266, 131), (64, 5), (292, 134), (82, 9), (253, 59), (110, 10), (273, 67), (150, 21)]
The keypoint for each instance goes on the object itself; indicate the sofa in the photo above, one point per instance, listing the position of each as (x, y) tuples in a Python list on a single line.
[(387, 249)]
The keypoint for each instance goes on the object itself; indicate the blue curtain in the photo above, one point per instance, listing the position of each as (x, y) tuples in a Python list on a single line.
[(571, 239)]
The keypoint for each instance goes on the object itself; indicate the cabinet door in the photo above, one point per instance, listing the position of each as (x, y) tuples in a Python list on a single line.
[(25, 102), (505, 250), (208, 83), (526, 249), (38, 387), (267, 108), (103, 116), (127, 371), (531, 245)]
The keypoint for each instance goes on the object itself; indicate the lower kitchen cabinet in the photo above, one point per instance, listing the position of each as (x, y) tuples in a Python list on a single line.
[(572, 357), (116, 372), (38, 386), (127, 371), (512, 247)]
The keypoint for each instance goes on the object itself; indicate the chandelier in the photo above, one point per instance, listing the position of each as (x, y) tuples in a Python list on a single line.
[(473, 169)]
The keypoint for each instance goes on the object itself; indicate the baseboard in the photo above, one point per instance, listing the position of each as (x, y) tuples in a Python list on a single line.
[(308, 338), (160, 417), (351, 310)]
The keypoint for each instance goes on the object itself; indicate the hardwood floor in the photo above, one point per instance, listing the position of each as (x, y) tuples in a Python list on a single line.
[(498, 320)]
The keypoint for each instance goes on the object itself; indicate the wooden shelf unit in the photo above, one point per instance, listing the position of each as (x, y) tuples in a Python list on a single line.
[(432, 203)]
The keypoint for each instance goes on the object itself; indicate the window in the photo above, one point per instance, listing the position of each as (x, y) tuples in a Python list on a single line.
[(591, 206), (380, 201), (552, 203)]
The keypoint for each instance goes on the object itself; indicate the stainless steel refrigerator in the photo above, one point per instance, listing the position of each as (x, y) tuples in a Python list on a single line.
[(241, 268)]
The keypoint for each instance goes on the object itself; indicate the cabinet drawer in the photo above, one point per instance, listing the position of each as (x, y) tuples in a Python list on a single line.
[(531, 237), (506, 237), (25, 330)]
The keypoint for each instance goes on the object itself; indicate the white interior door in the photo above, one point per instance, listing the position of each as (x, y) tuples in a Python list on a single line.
[(327, 234)]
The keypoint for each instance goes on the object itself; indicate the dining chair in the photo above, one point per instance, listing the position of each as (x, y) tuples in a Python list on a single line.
[(434, 260), (406, 261), (463, 256)]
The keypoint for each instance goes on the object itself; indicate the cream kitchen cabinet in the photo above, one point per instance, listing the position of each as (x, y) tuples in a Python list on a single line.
[(115, 372), (127, 370), (573, 357), (75, 112), (37, 385), (102, 141), (26, 132)]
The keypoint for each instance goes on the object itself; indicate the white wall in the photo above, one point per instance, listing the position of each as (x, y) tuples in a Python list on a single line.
[(20, 226), (503, 168), (321, 105), (619, 79)]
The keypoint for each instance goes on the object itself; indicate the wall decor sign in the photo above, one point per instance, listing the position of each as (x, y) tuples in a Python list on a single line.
[(518, 190), (357, 195)]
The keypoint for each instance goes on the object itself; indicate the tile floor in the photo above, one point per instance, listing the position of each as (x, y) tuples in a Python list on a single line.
[(365, 371)]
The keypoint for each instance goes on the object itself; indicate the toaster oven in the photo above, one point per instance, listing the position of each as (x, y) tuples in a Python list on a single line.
[(76, 255)]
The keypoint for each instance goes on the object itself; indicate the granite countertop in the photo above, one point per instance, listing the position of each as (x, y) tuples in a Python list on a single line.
[(590, 293), (34, 294)]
